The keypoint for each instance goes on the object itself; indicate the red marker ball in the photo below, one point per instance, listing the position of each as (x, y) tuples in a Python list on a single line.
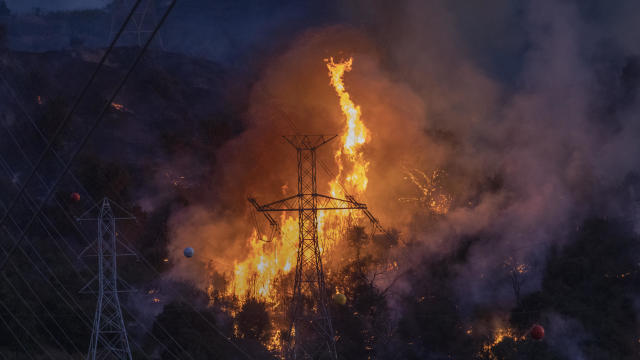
[(537, 332), (75, 197)]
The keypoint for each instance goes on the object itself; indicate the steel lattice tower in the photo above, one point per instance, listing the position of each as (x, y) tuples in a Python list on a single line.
[(109, 336), (311, 332), (142, 22)]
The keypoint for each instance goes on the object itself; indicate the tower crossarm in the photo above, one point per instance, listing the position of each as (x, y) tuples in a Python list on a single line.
[(323, 202), (274, 224), (376, 223), (331, 203), (308, 142)]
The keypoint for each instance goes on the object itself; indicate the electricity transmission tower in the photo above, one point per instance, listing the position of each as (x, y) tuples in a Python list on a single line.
[(141, 25), (109, 335), (311, 332)]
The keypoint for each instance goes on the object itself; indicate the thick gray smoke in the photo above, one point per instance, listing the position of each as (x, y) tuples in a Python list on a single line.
[(506, 99)]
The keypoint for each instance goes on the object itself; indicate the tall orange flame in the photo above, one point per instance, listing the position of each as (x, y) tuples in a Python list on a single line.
[(270, 260), (355, 136), (256, 275)]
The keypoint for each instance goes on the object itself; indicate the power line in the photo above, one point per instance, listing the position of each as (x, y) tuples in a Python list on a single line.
[(67, 117), (209, 323), (151, 267), (35, 340), (69, 261), (83, 141), (18, 338), (35, 168), (26, 304), (75, 225)]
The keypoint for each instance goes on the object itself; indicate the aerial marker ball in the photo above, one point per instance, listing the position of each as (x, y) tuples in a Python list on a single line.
[(188, 252), (537, 332), (339, 299), (75, 197)]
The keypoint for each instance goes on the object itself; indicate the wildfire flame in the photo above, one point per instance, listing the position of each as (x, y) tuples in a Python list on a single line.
[(351, 178), (515, 267), (355, 136), (270, 260), (267, 260), (499, 336), (255, 275), (432, 195), (116, 106)]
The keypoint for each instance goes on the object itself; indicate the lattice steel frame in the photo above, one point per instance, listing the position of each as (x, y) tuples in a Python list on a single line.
[(309, 276), (109, 335), (142, 22)]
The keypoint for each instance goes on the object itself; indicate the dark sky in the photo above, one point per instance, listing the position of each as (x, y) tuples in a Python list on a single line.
[(28, 5)]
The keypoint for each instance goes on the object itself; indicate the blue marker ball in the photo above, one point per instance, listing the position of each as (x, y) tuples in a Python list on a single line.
[(188, 252)]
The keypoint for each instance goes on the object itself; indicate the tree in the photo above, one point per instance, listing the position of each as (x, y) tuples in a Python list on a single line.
[(190, 334), (430, 321), (517, 274), (357, 238), (253, 320), (363, 322), (593, 280), (102, 178)]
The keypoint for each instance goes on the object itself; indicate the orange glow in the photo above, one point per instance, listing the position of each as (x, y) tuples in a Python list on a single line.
[(432, 195), (351, 178), (117, 106), (268, 261), (253, 277), (499, 336), (352, 167), (356, 133)]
